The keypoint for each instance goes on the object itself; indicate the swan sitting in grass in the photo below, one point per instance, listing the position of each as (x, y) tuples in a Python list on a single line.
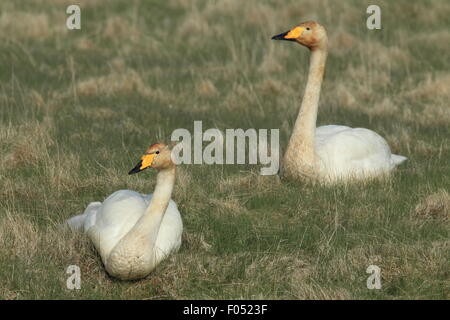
[(329, 153), (133, 232)]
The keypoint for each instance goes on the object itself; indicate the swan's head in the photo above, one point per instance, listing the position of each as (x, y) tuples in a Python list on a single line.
[(310, 34), (156, 156)]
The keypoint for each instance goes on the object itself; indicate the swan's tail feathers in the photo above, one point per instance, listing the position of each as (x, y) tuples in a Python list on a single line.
[(398, 159), (84, 221), (76, 223)]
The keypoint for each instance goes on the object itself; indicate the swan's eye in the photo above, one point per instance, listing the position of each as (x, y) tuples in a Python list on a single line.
[(308, 28), (157, 152)]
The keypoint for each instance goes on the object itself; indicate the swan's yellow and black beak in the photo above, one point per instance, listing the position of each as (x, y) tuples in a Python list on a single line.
[(290, 35), (146, 161)]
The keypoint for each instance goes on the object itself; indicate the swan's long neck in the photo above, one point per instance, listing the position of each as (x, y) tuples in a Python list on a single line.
[(150, 222), (135, 254), (300, 157)]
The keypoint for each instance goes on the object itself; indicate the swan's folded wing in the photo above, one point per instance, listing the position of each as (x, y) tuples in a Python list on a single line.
[(169, 236), (355, 152)]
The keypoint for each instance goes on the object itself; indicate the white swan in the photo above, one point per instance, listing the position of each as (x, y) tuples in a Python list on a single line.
[(131, 231), (329, 153)]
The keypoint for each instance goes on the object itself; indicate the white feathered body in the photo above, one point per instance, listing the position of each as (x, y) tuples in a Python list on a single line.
[(108, 222), (345, 153)]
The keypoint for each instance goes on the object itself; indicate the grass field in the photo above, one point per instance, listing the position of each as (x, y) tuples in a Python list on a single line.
[(78, 108)]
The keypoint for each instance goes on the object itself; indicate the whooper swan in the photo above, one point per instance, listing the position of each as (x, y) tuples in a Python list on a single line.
[(329, 153), (133, 232)]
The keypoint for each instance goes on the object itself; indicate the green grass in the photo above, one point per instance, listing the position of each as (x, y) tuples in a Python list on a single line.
[(77, 109)]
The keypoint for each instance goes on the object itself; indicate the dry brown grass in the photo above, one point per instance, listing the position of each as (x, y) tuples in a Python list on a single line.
[(26, 144), (114, 83), (28, 245), (206, 89), (77, 108), (436, 205), (33, 26)]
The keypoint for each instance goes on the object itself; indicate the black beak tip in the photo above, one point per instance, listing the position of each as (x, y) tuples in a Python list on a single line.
[(133, 171), (136, 169), (279, 36)]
